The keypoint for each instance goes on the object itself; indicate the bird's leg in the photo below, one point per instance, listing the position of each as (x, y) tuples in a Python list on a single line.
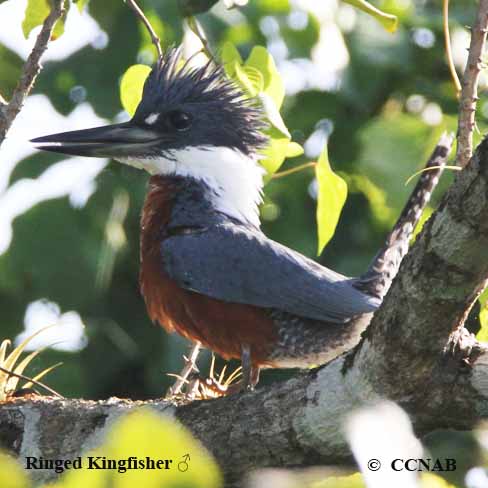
[(246, 367), (190, 366), (255, 370)]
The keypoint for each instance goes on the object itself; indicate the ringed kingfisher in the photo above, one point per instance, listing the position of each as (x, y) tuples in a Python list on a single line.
[(207, 271)]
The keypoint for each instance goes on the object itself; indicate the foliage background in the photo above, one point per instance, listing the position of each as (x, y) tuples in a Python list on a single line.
[(382, 100)]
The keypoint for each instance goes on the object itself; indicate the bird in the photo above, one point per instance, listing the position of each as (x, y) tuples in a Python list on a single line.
[(207, 270)]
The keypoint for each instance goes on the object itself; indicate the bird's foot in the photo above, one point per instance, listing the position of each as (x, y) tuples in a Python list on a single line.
[(195, 387)]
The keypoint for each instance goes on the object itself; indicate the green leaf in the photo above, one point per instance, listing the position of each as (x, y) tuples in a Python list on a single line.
[(35, 14), (228, 56), (142, 434), (274, 155), (388, 21), (80, 4), (11, 473), (273, 114), (131, 86), (293, 149), (332, 193), (482, 335), (250, 79), (264, 63), (382, 212), (352, 481)]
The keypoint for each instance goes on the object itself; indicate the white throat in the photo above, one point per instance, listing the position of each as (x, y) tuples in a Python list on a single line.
[(235, 179)]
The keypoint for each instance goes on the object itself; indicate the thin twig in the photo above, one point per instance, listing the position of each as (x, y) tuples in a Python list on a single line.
[(296, 169), (197, 29), (154, 37), (31, 69), (469, 93), (185, 372), (30, 380), (447, 42)]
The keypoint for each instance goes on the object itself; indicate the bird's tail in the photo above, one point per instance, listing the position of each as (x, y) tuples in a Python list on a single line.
[(384, 267)]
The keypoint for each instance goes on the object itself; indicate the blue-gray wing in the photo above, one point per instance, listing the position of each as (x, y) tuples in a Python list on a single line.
[(236, 264)]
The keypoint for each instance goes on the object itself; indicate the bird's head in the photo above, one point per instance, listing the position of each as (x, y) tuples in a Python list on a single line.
[(182, 107), (192, 122)]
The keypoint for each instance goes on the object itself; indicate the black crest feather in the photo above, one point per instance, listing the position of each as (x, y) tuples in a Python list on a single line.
[(228, 117)]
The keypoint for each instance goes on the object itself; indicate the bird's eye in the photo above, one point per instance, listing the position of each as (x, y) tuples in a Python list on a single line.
[(180, 120)]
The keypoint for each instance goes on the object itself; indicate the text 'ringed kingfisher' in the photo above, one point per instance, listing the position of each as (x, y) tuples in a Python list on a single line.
[(206, 269)]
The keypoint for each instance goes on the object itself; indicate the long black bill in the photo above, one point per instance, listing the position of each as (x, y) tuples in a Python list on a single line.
[(110, 141)]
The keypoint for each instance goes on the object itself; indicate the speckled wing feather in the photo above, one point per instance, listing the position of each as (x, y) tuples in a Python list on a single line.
[(237, 264)]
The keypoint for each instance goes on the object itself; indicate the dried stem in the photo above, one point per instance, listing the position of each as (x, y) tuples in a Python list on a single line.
[(31, 380), (154, 37), (469, 93), (447, 42), (31, 69), (181, 379), (296, 169)]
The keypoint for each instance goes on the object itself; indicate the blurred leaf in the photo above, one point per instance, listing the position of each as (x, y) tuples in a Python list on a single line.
[(229, 55), (249, 78), (35, 14), (293, 149), (332, 193), (376, 196), (264, 63), (12, 474), (431, 480), (388, 156), (142, 434), (273, 114), (274, 155), (274, 6), (353, 481), (80, 4), (388, 21), (191, 7), (10, 69), (131, 86), (482, 335)]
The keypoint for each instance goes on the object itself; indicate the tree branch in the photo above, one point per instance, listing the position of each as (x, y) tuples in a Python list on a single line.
[(31, 69), (444, 380), (469, 92), (154, 37)]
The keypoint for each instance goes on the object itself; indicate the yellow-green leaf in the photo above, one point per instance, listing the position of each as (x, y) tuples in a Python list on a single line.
[(142, 434), (12, 475), (482, 335), (249, 78), (80, 4), (388, 21), (431, 480), (352, 481), (228, 56), (131, 86), (264, 63), (35, 14), (274, 155), (273, 114), (332, 193), (293, 150)]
